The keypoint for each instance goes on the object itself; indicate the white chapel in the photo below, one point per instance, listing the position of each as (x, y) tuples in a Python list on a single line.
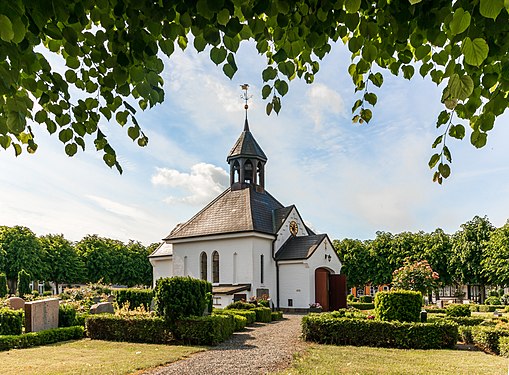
[(248, 244)]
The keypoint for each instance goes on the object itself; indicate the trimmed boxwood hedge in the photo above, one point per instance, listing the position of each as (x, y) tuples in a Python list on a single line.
[(240, 305), (487, 338), (456, 309), (248, 314), (486, 308), (11, 321), (277, 315), (263, 314), (137, 328), (205, 330), (402, 305), (135, 296), (503, 344), (465, 320), (465, 334), (67, 315), (362, 305), (49, 336), (324, 329)]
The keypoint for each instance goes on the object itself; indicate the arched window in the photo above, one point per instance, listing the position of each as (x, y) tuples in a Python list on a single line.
[(215, 267), (236, 172), (203, 266)]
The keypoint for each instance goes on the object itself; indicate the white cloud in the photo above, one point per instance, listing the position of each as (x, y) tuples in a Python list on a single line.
[(204, 182), (117, 208), (323, 101)]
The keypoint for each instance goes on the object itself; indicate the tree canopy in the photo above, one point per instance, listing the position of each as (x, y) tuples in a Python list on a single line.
[(113, 55)]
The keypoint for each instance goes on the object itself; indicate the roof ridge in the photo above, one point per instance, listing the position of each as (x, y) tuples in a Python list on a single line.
[(178, 228)]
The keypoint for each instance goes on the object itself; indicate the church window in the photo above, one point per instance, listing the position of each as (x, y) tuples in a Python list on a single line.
[(236, 172), (261, 269), (215, 267), (203, 266)]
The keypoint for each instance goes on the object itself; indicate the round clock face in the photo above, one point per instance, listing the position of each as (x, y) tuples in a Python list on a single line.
[(294, 228)]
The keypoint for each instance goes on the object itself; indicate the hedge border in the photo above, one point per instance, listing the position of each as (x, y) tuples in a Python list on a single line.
[(46, 337)]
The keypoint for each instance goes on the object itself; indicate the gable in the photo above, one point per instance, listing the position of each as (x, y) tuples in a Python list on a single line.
[(283, 218)]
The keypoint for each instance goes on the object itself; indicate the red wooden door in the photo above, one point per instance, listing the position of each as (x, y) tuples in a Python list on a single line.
[(322, 288), (337, 290)]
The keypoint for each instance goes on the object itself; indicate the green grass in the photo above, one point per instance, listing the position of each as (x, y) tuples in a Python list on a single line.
[(327, 359), (91, 357)]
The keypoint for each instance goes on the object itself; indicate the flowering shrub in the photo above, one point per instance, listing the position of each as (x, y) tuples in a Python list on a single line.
[(315, 305), (416, 276)]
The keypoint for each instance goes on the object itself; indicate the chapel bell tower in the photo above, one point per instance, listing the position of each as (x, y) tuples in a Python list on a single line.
[(246, 158)]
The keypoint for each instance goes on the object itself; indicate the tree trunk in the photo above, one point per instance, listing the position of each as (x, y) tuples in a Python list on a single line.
[(483, 294), (56, 286), (12, 284)]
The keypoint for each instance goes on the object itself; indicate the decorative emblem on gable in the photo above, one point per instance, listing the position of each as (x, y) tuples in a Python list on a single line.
[(294, 228)]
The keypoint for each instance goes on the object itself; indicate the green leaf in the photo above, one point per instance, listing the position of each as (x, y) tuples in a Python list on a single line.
[(444, 170), (72, 62), (491, 8), (268, 108), (223, 17), (434, 160), (218, 55), (133, 132), (17, 149), (6, 31), (460, 87), (475, 51), (486, 121), (369, 53), (229, 70), (16, 122), (422, 51), (437, 141), (460, 21), (447, 154), (370, 98), (281, 87), (121, 117), (478, 139), (457, 131), (266, 90), (199, 43), (71, 149), (65, 135), (19, 29), (352, 6), (41, 116), (269, 73), (366, 114)]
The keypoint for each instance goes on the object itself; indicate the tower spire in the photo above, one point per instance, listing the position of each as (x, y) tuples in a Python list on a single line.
[(245, 97)]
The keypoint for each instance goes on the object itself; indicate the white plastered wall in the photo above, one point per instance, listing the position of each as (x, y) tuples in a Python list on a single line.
[(162, 267)]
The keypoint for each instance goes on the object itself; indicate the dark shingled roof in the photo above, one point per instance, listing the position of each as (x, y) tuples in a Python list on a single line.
[(280, 216), (299, 247), (232, 211), (246, 146)]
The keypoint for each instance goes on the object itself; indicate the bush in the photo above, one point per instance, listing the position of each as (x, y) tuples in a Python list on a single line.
[(366, 299), (492, 293), (136, 297), (250, 315), (81, 318), (350, 297), (11, 321), (47, 293), (493, 300), (503, 344), (325, 329), (465, 320), (205, 330), (458, 310), (348, 313), (178, 297), (277, 315), (135, 328), (240, 322), (263, 302), (487, 337), (465, 334), (23, 283), (66, 315), (362, 305), (263, 314), (240, 305), (402, 305), (489, 308), (434, 311), (46, 337), (3, 285)]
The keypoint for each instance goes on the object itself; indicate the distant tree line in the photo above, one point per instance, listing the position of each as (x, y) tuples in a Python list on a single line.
[(54, 258), (477, 254)]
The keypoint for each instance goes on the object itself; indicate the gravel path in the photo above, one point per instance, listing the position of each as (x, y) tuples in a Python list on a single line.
[(259, 349)]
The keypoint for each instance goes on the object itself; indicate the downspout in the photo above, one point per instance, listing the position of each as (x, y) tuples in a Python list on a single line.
[(277, 273)]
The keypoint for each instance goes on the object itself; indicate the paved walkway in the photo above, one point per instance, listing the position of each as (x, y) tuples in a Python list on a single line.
[(259, 349)]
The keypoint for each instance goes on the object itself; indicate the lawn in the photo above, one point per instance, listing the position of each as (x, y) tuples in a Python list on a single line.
[(91, 357), (327, 359)]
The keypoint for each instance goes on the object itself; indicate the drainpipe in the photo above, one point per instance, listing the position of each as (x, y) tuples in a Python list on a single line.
[(277, 272)]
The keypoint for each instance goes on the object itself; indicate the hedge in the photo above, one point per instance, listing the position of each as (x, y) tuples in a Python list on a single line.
[(366, 299), (240, 322), (465, 334), (67, 315), (23, 283), (137, 328), (49, 336), (487, 337), (263, 314), (248, 314), (322, 328), (402, 305), (240, 305), (503, 344), (3, 285), (455, 309), (179, 297), (465, 320), (434, 311), (362, 305), (11, 321), (277, 315), (486, 308), (135, 296), (205, 330)]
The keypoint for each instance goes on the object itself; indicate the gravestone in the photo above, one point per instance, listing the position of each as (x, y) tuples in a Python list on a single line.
[(102, 307), (41, 315), (16, 303)]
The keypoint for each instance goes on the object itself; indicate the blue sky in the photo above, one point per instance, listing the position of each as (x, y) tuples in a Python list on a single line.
[(346, 180)]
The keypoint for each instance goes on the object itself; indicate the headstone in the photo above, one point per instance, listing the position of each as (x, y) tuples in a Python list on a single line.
[(102, 307), (16, 303), (41, 315)]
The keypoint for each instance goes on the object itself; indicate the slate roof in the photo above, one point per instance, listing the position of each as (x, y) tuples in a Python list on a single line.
[(163, 250), (280, 216), (233, 211), (299, 247), (246, 146)]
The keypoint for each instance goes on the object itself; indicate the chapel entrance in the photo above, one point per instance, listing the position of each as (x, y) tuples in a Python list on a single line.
[(322, 287)]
